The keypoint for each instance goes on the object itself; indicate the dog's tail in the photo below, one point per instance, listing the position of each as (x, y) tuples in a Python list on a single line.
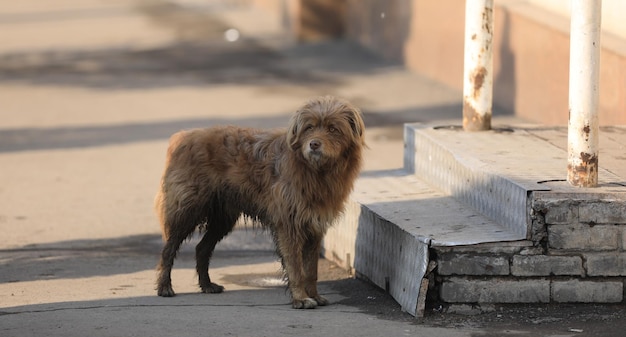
[(159, 199), (159, 205)]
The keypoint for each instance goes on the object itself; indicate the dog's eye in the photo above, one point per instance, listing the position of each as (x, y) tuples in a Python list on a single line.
[(308, 128), (332, 129)]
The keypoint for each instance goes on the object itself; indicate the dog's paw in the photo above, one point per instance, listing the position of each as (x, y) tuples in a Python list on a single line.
[(307, 303), (166, 291), (212, 288), (321, 300)]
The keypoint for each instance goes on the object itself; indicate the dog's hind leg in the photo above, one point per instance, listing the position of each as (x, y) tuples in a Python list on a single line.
[(168, 254), (217, 228), (178, 226), (204, 250)]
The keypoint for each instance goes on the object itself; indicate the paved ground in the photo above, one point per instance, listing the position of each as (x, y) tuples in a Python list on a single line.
[(89, 93)]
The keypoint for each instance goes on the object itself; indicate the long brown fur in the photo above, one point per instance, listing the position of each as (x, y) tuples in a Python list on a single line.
[(295, 182)]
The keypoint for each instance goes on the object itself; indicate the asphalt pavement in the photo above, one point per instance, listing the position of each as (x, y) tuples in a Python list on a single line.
[(90, 92)]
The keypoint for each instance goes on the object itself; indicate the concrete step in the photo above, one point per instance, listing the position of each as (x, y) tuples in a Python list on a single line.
[(494, 171), (431, 216), (391, 223)]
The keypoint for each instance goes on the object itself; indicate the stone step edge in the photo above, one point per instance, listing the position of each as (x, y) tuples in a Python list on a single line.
[(432, 216), (467, 176)]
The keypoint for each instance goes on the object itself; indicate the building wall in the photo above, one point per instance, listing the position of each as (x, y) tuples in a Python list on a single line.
[(612, 13), (531, 44)]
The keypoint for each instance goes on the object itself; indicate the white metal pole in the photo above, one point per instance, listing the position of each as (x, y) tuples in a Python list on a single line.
[(478, 65), (583, 126)]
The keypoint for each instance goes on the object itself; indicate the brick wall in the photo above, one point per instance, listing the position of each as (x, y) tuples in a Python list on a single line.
[(577, 253)]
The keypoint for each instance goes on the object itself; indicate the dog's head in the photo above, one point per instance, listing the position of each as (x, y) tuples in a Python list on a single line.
[(326, 129)]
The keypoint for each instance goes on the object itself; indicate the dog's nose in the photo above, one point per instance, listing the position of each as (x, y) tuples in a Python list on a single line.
[(315, 144)]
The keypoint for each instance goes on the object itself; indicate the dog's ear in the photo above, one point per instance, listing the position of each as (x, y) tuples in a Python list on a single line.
[(293, 129), (355, 120)]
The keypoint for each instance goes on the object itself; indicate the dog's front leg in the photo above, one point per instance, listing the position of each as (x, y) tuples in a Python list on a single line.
[(311, 255), (290, 249)]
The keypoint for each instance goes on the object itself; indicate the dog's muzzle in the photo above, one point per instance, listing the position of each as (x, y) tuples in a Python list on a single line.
[(315, 149), (315, 145)]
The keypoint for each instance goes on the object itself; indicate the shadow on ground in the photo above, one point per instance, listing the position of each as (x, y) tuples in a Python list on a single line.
[(77, 258), (184, 63), (28, 139)]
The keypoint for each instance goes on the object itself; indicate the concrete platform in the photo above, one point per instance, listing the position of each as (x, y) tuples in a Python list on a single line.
[(488, 218)]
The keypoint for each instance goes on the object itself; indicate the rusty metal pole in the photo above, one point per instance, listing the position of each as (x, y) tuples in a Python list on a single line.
[(478, 65), (583, 126)]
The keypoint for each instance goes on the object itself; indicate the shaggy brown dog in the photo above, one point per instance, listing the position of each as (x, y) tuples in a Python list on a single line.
[(294, 182)]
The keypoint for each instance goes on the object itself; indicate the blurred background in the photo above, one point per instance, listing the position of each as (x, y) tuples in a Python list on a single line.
[(90, 90)]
